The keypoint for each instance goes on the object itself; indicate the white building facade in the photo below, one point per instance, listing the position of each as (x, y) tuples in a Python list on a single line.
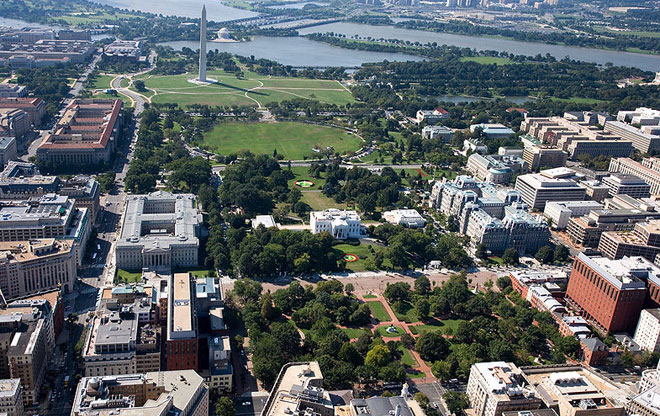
[(341, 224)]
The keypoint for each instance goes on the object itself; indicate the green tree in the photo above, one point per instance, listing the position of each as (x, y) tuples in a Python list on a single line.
[(510, 256), (544, 255), (139, 85), (378, 356), (442, 370), (422, 285), (399, 291), (432, 346), (481, 252), (423, 308), (456, 401), (561, 253), (224, 407)]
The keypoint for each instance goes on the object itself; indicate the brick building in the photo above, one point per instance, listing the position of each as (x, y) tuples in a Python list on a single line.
[(182, 340), (609, 293)]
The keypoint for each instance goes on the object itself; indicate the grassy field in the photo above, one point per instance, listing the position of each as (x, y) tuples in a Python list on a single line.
[(319, 202), (292, 140), (382, 330), (378, 311), (124, 276), (578, 100), (252, 89), (487, 60), (365, 257), (436, 325), (641, 34), (370, 296), (102, 82), (406, 358), (353, 333), (408, 314), (302, 172)]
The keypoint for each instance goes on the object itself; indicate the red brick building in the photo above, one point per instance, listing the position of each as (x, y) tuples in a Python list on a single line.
[(609, 293), (182, 333)]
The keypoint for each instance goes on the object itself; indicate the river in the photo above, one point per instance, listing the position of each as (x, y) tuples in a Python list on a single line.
[(298, 52), (215, 10), (599, 56)]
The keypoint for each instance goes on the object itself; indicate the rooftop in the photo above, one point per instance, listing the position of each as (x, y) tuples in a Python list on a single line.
[(626, 273)]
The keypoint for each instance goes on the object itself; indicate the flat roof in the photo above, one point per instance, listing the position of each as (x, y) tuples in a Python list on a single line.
[(181, 321), (625, 273)]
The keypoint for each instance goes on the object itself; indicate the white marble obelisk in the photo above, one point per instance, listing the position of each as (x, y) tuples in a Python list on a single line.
[(202, 46)]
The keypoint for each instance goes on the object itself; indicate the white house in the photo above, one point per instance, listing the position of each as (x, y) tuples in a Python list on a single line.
[(340, 224), (432, 116)]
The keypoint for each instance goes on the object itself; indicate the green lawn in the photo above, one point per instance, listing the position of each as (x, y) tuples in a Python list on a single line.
[(487, 60), (319, 202), (365, 257), (252, 89), (407, 358), (370, 296), (378, 311), (382, 330), (197, 273), (579, 100), (641, 34), (102, 82), (302, 172), (124, 276), (415, 374), (436, 325), (353, 333), (408, 314), (292, 140)]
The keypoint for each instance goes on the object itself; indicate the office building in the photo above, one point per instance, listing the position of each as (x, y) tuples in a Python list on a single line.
[(560, 212), (595, 148), (181, 393), (14, 122), (646, 403), (123, 337), (538, 157), (128, 50), (35, 266), (8, 150), (11, 396), (51, 216), (537, 189), (432, 116), (35, 108), (437, 132), (587, 230), (648, 170), (28, 326), (609, 293), (37, 48), (595, 189), (182, 342), (8, 90), (341, 224), (298, 390), (644, 142), (22, 180), (644, 241), (647, 334), (492, 131), (494, 168), (402, 405), (641, 115), (219, 375), (87, 134), (409, 218), (497, 387), (522, 280), (160, 231), (575, 390), (628, 185)]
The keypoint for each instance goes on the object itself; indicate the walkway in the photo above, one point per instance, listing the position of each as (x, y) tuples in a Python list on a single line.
[(421, 365)]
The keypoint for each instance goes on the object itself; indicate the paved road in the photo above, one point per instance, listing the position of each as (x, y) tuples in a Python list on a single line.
[(220, 168), (137, 99)]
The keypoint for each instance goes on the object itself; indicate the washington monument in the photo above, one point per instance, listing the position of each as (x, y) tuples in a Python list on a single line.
[(202, 46)]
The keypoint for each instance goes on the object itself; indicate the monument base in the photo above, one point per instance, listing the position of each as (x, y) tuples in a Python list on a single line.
[(205, 82)]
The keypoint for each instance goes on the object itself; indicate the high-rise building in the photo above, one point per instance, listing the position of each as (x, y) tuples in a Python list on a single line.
[(181, 393), (609, 293), (497, 387), (647, 334), (536, 189), (11, 397), (182, 340)]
